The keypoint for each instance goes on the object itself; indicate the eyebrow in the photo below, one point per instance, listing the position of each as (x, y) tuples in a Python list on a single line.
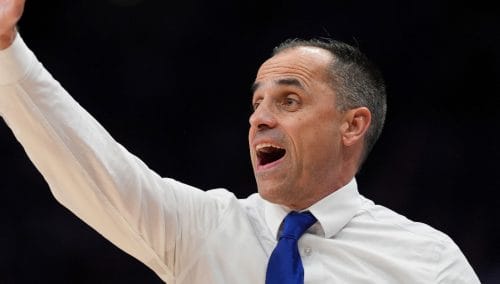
[(284, 82)]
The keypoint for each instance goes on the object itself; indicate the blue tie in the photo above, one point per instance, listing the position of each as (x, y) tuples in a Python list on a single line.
[(285, 265)]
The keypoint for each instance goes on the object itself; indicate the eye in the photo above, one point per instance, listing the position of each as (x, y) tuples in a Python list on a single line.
[(291, 102), (256, 104)]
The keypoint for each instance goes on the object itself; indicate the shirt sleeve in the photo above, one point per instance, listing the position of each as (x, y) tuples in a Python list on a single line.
[(453, 267), (94, 176)]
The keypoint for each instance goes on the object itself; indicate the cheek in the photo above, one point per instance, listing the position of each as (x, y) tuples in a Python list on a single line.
[(314, 135), (322, 141)]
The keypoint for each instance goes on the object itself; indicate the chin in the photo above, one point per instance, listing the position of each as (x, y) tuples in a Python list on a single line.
[(273, 195), (276, 195)]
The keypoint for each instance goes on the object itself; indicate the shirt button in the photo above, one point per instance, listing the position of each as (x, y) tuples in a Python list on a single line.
[(307, 251)]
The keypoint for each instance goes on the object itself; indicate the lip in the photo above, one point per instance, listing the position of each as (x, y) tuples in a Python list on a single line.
[(258, 141)]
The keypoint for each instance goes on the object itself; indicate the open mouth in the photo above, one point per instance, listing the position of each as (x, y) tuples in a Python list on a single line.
[(267, 153)]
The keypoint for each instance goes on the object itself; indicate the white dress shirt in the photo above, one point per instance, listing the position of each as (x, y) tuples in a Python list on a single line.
[(186, 235)]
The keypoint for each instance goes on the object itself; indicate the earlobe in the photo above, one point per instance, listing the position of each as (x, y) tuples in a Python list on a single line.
[(355, 125)]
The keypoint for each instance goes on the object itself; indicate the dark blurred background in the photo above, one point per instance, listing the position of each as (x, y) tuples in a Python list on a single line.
[(171, 82)]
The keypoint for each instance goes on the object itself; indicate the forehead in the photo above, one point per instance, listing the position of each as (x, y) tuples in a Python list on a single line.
[(305, 64)]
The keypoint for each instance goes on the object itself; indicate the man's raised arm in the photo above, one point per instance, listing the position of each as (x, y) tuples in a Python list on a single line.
[(88, 171)]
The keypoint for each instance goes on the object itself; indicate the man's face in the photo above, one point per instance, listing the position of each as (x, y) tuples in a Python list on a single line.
[(295, 130)]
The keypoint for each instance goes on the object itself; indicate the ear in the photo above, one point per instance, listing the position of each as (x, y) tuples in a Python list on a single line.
[(355, 125)]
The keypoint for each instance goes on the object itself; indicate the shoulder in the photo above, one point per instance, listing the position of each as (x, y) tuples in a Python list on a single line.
[(427, 248), (387, 219)]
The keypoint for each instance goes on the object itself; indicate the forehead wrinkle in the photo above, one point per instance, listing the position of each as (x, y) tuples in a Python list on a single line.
[(289, 82), (283, 74)]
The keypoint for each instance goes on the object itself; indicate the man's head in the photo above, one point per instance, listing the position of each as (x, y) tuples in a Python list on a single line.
[(319, 106)]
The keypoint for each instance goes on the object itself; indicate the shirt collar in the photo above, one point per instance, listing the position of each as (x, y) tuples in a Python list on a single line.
[(332, 212)]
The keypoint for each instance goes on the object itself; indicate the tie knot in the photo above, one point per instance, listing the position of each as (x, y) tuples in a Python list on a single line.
[(295, 224)]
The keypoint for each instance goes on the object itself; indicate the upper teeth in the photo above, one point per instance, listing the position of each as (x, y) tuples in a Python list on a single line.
[(264, 145)]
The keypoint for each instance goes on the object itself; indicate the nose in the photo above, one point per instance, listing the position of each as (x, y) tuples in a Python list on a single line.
[(262, 118)]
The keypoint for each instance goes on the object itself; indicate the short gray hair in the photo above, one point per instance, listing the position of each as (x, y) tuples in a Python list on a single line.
[(355, 79)]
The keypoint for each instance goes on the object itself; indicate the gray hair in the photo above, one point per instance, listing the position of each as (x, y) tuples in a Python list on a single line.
[(356, 81)]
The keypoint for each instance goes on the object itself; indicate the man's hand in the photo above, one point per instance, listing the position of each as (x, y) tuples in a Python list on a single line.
[(10, 13)]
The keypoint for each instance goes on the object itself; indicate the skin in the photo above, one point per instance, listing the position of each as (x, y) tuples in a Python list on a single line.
[(295, 109), (10, 13)]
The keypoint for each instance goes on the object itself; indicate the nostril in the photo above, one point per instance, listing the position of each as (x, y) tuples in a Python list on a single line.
[(266, 126), (263, 126)]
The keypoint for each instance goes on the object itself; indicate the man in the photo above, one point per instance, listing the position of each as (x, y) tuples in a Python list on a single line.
[(319, 107)]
